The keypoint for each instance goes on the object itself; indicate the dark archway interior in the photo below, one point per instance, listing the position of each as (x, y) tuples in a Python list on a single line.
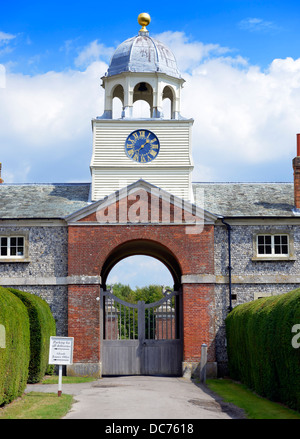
[(142, 247)]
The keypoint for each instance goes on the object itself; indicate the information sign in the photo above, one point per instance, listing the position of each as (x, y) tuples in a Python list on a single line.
[(61, 350)]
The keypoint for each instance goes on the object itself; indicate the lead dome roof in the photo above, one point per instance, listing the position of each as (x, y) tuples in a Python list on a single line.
[(143, 54)]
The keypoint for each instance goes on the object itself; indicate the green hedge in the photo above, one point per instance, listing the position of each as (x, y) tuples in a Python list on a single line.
[(15, 356), (259, 346), (42, 326)]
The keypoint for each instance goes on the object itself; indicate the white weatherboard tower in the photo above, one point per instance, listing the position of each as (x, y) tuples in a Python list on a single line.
[(155, 149)]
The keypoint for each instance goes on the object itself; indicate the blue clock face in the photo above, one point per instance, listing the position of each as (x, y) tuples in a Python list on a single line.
[(142, 146)]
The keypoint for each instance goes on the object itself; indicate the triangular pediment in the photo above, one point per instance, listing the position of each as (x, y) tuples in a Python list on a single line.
[(142, 203)]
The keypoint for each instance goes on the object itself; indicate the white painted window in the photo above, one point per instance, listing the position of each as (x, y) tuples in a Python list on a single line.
[(12, 247), (272, 245)]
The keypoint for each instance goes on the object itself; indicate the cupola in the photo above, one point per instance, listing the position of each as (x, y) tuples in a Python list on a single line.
[(142, 68)]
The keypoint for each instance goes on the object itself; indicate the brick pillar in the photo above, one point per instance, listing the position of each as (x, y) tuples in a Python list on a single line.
[(296, 166), (83, 325), (198, 327)]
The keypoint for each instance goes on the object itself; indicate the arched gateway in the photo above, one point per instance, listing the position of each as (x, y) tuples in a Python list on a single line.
[(141, 339), (100, 235)]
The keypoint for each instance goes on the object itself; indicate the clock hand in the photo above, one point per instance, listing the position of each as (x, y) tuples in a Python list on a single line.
[(142, 146)]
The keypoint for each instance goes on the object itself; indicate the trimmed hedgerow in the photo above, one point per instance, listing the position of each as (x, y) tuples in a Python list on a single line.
[(42, 326), (15, 355), (259, 345)]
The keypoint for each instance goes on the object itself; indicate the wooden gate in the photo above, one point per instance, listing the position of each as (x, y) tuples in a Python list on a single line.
[(141, 339)]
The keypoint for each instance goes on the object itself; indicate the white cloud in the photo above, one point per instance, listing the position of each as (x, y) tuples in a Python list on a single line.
[(93, 52), (243, 113), (46, 119), (257, 25), (189, 53), (5, 37)]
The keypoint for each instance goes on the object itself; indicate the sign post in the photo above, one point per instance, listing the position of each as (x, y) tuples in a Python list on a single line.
[(203, 363), (61, 353)]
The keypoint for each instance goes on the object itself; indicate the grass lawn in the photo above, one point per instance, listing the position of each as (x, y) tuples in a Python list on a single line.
[(255, 407), (53, 379), (40, 405), (36, 405)]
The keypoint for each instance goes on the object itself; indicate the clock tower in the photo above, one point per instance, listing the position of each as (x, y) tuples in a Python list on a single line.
[(155, 149)]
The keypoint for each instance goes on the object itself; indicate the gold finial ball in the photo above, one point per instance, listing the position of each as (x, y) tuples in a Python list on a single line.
[(144, 19)]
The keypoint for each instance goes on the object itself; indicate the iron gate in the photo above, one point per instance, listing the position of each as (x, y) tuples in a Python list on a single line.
[(141, 339)]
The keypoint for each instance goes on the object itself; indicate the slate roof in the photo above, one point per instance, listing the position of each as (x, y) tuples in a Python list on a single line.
[(226, 199), (42, 200), (247, 199)]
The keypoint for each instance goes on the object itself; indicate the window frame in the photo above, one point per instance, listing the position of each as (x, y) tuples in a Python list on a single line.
[(289, 256), (11, 257), (272, 244)]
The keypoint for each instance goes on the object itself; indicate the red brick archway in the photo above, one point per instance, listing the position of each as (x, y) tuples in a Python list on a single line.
[(95, 248)]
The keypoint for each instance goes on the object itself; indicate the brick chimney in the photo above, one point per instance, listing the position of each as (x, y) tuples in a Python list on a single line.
[(296, 166), (1, 180)]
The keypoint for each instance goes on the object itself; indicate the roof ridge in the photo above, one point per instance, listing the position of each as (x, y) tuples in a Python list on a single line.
[(242, 182), (45, 184)]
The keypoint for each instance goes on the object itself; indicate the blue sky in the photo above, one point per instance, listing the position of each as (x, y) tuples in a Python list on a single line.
[(259, 30), (240, 59)]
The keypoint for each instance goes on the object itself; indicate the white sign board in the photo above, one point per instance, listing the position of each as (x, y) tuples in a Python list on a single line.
[(61, 350)]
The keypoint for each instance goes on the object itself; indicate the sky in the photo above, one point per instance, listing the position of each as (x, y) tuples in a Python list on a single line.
[(240, 60)]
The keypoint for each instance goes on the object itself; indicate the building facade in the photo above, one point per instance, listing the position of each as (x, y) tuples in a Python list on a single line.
[(224, 243)]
